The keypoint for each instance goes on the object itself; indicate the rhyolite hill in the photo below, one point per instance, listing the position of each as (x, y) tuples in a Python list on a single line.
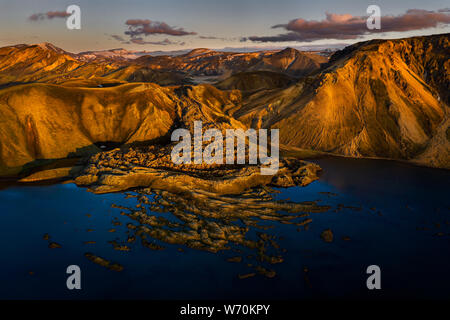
[(382, 98)]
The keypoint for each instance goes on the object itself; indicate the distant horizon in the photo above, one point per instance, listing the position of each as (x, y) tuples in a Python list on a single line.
[(246, 49), (224, 49)]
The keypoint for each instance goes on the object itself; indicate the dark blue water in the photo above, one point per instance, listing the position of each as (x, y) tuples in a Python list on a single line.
[(395, 216)]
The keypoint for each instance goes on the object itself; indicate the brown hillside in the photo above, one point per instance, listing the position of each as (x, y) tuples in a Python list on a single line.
[(377, 99), (43, 121)]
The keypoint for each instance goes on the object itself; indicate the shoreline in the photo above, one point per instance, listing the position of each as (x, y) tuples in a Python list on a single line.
[(56, 172)]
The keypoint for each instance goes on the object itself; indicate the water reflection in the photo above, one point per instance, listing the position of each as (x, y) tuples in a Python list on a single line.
[(206, 221), (194, 245)]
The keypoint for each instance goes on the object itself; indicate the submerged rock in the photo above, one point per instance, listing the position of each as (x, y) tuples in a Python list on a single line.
[(118, 246), (103, 262), (235, 259), (245, 276), (54, 245), (327, 235)]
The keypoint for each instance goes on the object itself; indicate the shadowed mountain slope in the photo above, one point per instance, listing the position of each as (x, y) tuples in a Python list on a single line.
[(256, 80), (290, 61)]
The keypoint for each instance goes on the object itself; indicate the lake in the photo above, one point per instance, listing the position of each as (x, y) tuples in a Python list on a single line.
[(384, 213)]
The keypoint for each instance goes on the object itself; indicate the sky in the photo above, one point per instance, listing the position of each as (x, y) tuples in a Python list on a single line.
[(153, 25)]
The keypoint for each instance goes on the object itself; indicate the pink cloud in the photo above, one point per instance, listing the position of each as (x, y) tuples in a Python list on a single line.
[(346, 26), (48, 15)]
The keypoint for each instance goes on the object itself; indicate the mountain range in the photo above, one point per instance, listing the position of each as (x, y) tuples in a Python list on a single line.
[(381, 98), (46, 63)]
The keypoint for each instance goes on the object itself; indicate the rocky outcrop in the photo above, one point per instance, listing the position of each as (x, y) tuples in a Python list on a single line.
[(119, 170)]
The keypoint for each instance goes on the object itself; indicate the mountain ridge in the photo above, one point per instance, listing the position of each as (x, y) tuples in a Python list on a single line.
[(381, 99), (47, 63)]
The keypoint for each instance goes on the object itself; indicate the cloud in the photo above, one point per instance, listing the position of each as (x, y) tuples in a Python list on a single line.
[(145, 27), (140, 28), (164, 42), (211, 38), (346, 26), (48, 15), (118, 38)]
